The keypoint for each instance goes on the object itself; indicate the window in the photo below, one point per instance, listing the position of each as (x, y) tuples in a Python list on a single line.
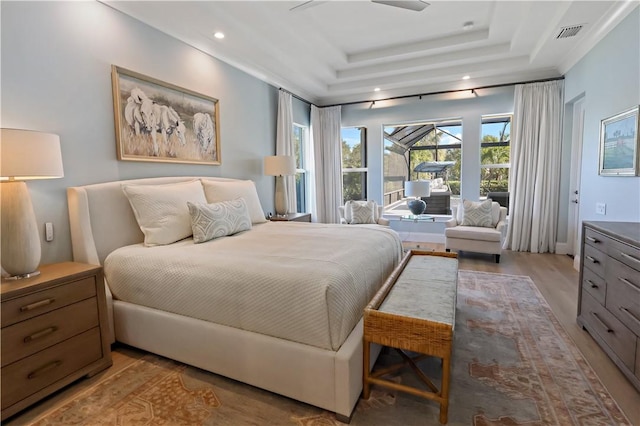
[(495, 154), (300, 145), (435, 147), (354, 163)]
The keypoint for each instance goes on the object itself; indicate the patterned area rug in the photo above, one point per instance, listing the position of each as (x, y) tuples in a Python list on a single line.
[(513, 364)]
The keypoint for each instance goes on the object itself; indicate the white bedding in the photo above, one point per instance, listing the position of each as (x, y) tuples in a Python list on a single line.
[(307, 283)]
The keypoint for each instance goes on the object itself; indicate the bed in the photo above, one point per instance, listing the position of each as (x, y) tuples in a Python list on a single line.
[(278, 306)]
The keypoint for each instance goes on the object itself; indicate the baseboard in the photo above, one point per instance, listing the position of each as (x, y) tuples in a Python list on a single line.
[(562, 248)]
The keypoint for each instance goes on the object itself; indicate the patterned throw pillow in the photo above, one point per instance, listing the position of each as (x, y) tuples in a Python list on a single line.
[(209, 221), (361, 211), (476, 213)]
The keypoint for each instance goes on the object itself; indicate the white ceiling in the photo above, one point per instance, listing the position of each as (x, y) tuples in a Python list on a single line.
[(339, 51)]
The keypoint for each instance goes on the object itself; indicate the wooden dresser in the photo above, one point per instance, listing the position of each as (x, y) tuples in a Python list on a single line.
[(54, 331), (609, 294)]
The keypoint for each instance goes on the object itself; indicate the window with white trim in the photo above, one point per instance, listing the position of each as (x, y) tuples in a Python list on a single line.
[(301, 144), (495, 151), (354, 163)]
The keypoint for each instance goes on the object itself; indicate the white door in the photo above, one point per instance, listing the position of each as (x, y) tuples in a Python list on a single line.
[(573, 224)]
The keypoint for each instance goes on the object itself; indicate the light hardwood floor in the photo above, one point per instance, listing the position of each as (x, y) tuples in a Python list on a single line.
[(553, 275)]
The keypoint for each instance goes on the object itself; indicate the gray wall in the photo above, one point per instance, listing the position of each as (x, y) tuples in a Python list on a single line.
[(56, 77), (608, 78)]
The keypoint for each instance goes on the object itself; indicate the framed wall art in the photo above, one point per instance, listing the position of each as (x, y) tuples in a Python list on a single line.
[(158, 121), (619, 154)]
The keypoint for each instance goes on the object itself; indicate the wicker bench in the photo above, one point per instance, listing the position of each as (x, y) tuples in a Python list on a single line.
[(415, 311)]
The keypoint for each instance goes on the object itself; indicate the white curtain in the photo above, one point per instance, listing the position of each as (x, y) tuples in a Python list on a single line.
[(325, 131), (284, 143), (536, 139)]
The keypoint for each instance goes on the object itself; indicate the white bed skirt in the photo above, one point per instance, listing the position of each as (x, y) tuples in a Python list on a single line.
[(298, 371)]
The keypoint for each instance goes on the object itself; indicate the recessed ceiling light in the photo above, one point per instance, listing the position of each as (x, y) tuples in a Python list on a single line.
[(377, 89), (219, 35), (467, 25), (466, 77)]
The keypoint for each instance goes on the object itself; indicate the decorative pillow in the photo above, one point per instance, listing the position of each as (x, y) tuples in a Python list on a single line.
[(360, 212), (216, 191), (209, 221), (161, 210), (476, 213)]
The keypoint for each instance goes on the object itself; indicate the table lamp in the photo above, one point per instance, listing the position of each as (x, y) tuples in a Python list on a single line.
[(24, 155), (417, 189), (280, 166)]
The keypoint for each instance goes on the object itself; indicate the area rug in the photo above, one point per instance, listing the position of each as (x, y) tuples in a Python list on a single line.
[(513, 364)]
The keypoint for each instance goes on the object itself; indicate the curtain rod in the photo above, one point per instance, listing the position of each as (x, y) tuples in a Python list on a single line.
[(420, 95)]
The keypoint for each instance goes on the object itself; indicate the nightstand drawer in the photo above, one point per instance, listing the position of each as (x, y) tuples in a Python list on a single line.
[(29, 375), (28, 337), (40, 302), (596, 239)]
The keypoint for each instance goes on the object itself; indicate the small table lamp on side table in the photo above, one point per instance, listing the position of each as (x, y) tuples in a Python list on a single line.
[(417, 189), (24, 155), (280, 166)]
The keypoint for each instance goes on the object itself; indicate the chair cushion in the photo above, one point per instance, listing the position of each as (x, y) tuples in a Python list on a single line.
[(477, 213), (473, 233), (357, 212)]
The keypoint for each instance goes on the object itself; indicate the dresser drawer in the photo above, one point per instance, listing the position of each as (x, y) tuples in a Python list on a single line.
[(623, 294), (595, 260), (595, 285), (40, 302), (601, 322), (31, 374), (596, 239), (625, 253), (28, 337)]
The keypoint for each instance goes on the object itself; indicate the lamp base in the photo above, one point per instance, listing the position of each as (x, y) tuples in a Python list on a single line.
[(282, 201), (21, 276), (417, 206)]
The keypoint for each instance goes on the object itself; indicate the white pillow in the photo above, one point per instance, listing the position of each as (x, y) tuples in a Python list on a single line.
[(209, 221), (360, 212), (161, 210), (477, 213), (216, 191)]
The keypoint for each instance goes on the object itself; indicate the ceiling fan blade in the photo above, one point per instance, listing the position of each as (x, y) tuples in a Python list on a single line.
[(417, 5), (306, 5)]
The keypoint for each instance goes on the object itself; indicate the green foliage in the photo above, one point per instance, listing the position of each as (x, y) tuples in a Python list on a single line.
[(493, 186), (354, 185)]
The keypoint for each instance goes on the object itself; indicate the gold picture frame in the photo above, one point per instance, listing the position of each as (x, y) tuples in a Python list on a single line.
[(619, 154), (161, 122)]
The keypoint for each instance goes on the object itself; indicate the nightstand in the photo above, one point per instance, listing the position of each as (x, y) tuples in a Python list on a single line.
[(292, 217), (54, 331)]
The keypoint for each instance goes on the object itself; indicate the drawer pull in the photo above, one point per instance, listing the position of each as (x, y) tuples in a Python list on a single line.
[(592, 284), (592, 260), (44, 369), (627, 282), (40, 334), (593, 240), (36, 305), (606, 327), (628, 256), (630, 314)]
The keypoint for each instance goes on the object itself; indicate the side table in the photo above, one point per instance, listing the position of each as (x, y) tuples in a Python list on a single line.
[(292, 217)]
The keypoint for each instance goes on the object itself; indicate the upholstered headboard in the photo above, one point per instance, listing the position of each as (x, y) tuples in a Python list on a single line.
[(101, 218)]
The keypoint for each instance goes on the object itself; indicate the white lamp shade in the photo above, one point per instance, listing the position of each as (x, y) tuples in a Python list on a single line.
[(280, 165), (26, 155), (417, 188)]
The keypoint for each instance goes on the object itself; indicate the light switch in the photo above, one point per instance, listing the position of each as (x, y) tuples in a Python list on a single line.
[(48, 231)]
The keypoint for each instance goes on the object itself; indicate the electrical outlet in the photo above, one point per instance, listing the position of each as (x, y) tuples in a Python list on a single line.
[(48, 231), (601, 208)]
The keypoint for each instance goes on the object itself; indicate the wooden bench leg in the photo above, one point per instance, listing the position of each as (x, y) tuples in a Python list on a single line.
[(444, 406)]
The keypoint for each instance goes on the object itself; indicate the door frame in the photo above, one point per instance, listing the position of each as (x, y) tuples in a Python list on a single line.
[(573, 212)]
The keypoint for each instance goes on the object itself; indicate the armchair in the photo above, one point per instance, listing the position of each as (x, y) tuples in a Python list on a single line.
[(345, 219), (477, 238)]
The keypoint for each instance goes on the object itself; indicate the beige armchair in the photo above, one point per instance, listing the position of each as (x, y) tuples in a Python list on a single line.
[(378, 218), (477, 238)]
